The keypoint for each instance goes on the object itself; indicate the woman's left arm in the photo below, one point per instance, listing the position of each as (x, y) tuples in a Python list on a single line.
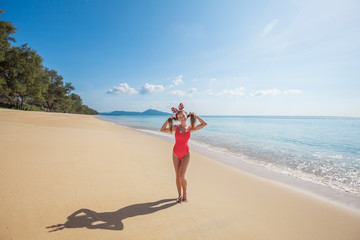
[(201, 125)]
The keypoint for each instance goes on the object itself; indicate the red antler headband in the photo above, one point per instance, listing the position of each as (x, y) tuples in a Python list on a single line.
[(175, 110)]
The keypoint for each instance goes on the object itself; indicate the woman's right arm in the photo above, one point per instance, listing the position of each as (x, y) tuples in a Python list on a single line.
[(163, 128)]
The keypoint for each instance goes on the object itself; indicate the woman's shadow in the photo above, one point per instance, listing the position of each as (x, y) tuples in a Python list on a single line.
[(111, 220)]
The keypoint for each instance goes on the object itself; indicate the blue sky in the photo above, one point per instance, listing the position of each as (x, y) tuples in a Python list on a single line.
[(286, 57)]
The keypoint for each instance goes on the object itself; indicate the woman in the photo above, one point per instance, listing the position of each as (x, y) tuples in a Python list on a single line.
[(181, 154)]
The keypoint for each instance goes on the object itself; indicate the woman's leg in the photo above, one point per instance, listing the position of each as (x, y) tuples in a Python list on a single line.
[(184, 163), (177, 162)]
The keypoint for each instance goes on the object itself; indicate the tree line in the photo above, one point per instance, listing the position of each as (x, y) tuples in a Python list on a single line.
[(26, 84)]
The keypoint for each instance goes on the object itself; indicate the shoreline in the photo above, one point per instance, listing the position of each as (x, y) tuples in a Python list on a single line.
[(343, 199), (68, 176)]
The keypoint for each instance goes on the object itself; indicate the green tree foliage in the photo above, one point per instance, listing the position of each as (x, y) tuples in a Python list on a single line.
[(6, 30), (23, 73), (77, 105), (57, 94), (24, 80)]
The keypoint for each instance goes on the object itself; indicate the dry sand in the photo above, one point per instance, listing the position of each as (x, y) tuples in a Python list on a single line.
[(67, 176)]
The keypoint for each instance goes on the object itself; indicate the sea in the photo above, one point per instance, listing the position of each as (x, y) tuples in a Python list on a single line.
[(321, 150)]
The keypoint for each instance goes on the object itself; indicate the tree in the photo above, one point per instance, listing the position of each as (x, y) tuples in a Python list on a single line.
[(23, 73), (77, 106), (55, 96), (6, 30), (89, 111)]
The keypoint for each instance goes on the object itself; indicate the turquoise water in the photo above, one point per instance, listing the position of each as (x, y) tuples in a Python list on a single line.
[(323, 150)]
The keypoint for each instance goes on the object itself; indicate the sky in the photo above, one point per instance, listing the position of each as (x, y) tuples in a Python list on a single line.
[(281, 57)]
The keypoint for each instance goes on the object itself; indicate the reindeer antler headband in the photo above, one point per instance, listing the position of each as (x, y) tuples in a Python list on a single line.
[(175, 110)]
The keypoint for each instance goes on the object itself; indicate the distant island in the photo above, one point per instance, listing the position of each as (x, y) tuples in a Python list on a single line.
[(148, 112)]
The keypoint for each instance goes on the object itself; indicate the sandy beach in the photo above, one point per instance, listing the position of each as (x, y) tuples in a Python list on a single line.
[(66, 176)]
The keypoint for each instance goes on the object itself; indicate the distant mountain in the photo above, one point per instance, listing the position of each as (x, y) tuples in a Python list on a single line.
[(154, 112), (147, 112)]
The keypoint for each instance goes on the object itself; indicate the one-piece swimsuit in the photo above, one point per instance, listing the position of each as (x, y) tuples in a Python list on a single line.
[(181, 147)]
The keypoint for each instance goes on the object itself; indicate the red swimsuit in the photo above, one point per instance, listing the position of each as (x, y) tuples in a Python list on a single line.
[(181, 147)]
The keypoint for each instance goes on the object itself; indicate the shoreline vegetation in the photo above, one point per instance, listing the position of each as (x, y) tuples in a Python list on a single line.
[(28, 85)]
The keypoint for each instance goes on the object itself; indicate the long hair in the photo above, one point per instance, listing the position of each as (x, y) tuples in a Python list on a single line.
[(170, 121), (192, 120)]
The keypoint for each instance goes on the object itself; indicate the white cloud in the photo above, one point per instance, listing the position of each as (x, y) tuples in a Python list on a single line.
[(177, 81), (123, 88), (192, 90), (181, 93), (212, 80), (274, 92), (292, 91), (149, 89), (177, 93), (235, 92), (269, 27), (209, 92)]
